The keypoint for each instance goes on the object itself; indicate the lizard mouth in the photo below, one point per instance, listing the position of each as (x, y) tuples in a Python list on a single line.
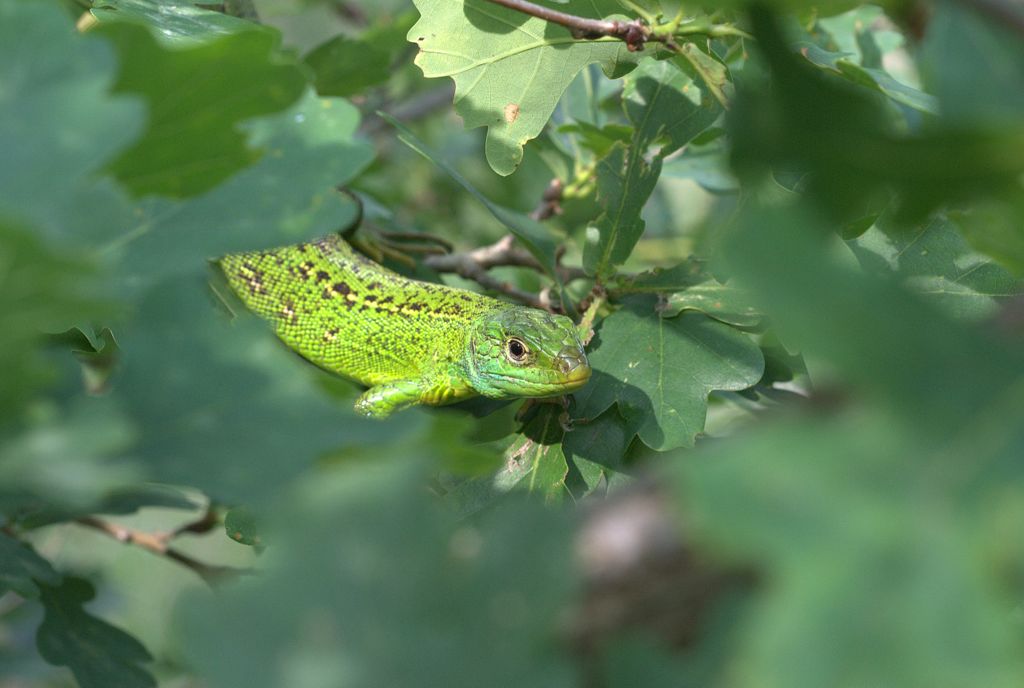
[(577, 377)]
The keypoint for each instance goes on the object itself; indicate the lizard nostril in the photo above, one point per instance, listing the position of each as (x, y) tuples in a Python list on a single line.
[(569, 359)]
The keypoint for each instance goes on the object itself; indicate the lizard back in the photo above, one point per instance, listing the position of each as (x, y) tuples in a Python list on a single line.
[(352, 316)]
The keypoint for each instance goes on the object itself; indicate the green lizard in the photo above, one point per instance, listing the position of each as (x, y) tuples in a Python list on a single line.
[(410, 342)]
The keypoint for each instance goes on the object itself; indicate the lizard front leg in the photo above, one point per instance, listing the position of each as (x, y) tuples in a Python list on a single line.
[(380, 401)]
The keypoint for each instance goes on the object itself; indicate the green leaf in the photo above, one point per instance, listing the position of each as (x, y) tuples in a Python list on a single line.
[(21, 567), (667, 106), (97, 358), (708, 165), (503, 574), (222, 385), (535, 237), (724, 302), (344, 66), (662, 280), (535, 460), (48, 70), (707, 71), (903, 351), (596, 449), (974, 63), (242, 526), (854, 157), (286, 197), (835, 514), (625, 180), (121, 499), (660, 371), (933, 259), (41, 290), (509, 69), (873, 78), (996, 229), (98, 654), (177, 22), (67, 461), (184, 154)]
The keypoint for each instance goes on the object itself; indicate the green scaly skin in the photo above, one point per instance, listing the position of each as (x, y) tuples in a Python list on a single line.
[(410, 342)]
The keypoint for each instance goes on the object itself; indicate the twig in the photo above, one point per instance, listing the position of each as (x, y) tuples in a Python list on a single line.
[(159, 543), (550, 201), (634, 32), (502, 253), (351, 12), (473, 265), (204, 524)]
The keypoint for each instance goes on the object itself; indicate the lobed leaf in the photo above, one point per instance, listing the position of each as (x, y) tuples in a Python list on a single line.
[(98, 654), (509, 68), (21, 567), (933, 259), (659, 371)]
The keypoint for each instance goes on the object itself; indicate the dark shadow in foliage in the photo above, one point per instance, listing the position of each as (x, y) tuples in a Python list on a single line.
[(855, 156)]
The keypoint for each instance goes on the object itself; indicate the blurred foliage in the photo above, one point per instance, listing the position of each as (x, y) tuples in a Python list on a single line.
[(793, 234)]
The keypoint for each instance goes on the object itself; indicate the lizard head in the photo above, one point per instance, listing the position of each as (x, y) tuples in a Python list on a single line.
[(526, 352)]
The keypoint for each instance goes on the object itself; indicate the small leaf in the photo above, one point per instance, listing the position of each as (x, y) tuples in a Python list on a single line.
[(725, 302), (21, 567), (660, 371), (241, 525), (870, 77), (98, 654), (596, 448), (535, 461)]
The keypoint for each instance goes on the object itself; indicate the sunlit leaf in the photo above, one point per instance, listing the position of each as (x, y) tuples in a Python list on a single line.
[(509, 68)]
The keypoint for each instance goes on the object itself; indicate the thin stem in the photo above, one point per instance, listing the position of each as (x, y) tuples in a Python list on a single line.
[(158, 543), (474, 264), (640, 11)]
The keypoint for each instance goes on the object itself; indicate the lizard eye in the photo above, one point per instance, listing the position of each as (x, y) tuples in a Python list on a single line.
[(517, 351)]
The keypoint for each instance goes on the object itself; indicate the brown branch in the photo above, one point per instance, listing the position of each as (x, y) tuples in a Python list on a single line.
[(473, 265), (550, 201), (634, 32), (159, 544), (502, 253)]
